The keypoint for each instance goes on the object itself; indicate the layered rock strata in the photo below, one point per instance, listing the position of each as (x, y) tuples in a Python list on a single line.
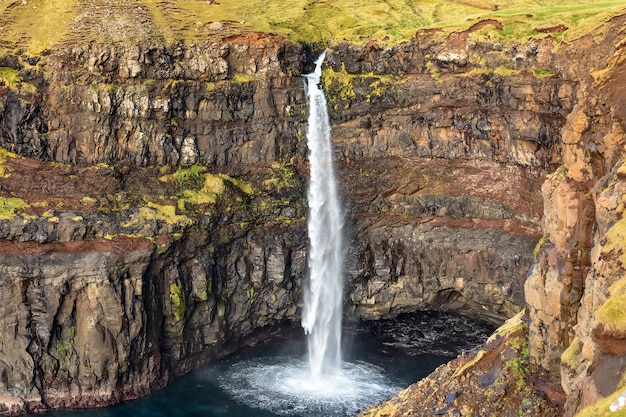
[(574, 291), (441, 156)]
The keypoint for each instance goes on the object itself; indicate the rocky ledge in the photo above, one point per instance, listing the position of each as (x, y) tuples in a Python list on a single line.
[(496, 379)]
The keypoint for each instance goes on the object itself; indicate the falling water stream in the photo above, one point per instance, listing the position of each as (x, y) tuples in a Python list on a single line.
[(321, 316), (324, 385)]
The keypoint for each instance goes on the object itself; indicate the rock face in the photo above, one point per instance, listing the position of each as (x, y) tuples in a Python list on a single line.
[(152, 105), (577, 276), (428, 237), (153, 213), (116, 290), (90, 323), (574, 291)]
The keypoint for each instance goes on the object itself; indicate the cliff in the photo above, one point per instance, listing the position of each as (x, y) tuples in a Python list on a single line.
[(153, 213), (570, 361)]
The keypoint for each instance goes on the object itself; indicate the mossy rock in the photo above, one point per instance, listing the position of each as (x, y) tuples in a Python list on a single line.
[(570, 357), (602, 408), (612, 314), (177, 296), (9, 206), (614, 241)]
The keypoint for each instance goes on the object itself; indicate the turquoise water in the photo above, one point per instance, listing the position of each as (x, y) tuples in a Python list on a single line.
[(266, 380)]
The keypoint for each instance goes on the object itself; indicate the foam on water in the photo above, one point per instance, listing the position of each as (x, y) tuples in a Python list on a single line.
[(283, 386)]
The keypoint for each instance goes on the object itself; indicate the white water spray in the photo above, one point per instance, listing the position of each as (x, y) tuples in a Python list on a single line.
[(323, 298)]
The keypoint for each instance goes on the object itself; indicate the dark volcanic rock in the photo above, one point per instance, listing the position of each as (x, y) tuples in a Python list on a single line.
[(112, 282)]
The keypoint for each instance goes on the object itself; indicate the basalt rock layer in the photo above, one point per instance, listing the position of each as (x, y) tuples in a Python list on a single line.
[(574, 291), (153, 200)]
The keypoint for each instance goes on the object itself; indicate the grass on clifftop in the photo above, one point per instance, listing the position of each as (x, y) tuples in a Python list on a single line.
[(36, 25)]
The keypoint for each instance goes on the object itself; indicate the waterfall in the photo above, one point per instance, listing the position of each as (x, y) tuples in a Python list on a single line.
[(323, 297), (323, 385)]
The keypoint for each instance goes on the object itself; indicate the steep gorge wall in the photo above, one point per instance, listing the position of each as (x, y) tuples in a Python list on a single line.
[(574, 290), (446, 213), (440, 157), (91, 323)]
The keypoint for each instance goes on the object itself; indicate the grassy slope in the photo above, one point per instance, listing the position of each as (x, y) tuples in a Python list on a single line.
[(41, 24)]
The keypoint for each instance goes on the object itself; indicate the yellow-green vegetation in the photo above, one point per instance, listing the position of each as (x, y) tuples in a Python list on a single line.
[(158, 212), (621, 171), (281, 190), (340, 87), (250, 293), (88, 200), (9, 206), (196, 186), (560, 172), (505, 71), (9, 77), (570, 356), (542, 73), (177, 295), (212, 187), (601, 408), (544, 239), (518, 368), (165, 213), (5, 171), (601, 76), (245, 187), (111, 236), (614, 237), (284, 176), (379, 87), (511, 325), (396, 20), (37, 25), (612, 314), (479, 356)]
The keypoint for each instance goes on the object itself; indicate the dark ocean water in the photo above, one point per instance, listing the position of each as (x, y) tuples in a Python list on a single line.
[(270, 379)]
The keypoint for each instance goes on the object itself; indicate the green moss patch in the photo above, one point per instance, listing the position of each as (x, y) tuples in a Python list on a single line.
[(513, 324), (177, 296), (211, 188), (9, 206), (166, 213), (5, 170), (615, 238), (601, 408), (284, 177), (570, 356), (9, 77), (612, 314), (197, 187)]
